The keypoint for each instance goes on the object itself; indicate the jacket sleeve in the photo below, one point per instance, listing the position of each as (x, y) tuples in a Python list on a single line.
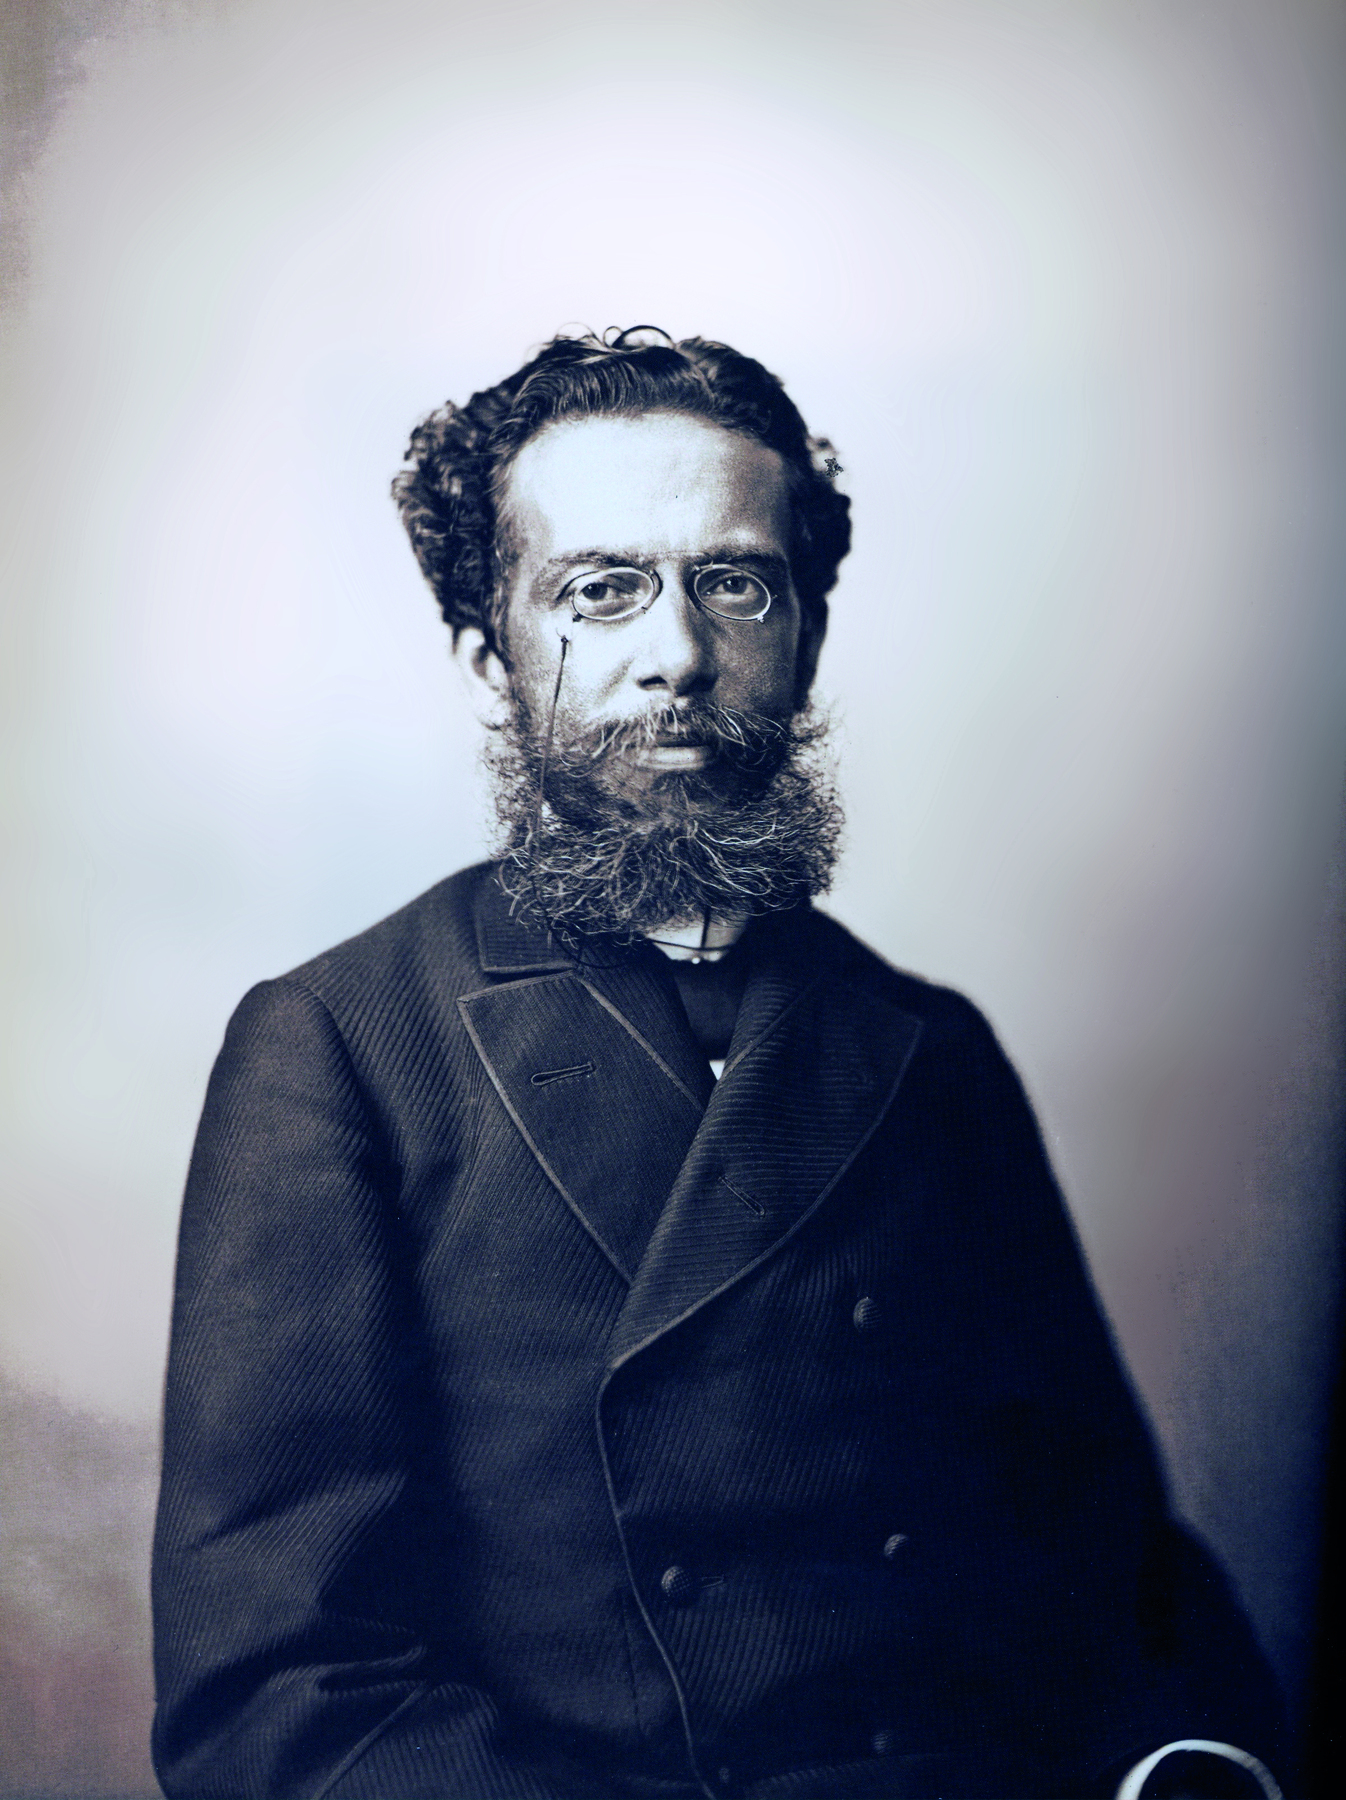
[(1163, 1650), (290, 1658)]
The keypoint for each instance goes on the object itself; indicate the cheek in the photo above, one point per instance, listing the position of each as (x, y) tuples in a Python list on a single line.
[(761, 676), (591, 683), (535, 660)]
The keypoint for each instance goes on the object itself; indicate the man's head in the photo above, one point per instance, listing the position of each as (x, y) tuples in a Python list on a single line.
[(633, 544), (460, 457)]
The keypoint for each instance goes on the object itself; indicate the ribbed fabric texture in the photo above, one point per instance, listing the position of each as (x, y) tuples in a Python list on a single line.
[(547, 1423)]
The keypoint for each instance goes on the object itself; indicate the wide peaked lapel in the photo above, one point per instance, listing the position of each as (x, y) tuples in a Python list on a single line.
[(816, 1059), (597, 1067)]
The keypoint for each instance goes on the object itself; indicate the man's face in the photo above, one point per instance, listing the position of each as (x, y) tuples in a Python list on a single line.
[(667, 493), (674, 781)]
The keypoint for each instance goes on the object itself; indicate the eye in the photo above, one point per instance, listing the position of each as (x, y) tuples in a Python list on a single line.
[(731, 592), (608, 594)]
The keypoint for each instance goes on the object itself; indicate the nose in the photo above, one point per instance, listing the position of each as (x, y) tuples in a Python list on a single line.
[(676, 650)]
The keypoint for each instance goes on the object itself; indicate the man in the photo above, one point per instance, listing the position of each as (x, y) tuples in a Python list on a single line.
[(628, 1341)]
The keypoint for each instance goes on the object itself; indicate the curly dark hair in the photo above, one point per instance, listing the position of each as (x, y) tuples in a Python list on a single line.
[(449, 491)]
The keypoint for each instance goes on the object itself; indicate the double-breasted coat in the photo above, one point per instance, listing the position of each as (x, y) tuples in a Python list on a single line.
[(547, 1421)]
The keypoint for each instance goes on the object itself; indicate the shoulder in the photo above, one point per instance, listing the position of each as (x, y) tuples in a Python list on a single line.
[(430, 943), (946, 1017), (435, 931), (958, 1071), (400, 976)]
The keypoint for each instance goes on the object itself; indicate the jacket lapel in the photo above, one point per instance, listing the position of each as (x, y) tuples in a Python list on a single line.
[(815, 1062), (684, 1189), (596, 1066)]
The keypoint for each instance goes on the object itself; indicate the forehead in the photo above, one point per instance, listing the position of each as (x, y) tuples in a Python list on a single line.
[(661, 484)]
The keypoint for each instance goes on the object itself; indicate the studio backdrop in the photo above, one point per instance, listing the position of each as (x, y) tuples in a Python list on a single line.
[(1061, 280)]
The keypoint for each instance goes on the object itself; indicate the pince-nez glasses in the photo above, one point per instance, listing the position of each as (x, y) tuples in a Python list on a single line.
[(611, 596)]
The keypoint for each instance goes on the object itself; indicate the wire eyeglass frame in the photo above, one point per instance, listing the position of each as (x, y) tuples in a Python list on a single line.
[(646, 585)]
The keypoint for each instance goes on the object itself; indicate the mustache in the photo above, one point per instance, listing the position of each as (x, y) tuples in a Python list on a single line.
[(744, 739)]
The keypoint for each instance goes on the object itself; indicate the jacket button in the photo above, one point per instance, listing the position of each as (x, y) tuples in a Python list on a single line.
[(678, 1585), (884, 1742), (867, 1314), (894, 1544)]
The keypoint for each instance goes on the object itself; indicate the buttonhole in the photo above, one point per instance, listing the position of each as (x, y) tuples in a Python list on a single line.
[(708, 1581), (753, 1206), (544, 1076)]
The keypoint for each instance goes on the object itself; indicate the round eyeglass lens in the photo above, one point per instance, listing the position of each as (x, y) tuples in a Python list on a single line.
[(731, 592), (610, 593)]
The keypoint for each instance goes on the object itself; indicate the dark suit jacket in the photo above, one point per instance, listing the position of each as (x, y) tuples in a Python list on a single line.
[(546, 1422)]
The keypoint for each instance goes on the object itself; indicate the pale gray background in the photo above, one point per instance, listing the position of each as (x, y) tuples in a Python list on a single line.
[(1061, 279)]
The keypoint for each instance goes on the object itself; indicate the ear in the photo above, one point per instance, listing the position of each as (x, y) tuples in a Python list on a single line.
[(484, 675)]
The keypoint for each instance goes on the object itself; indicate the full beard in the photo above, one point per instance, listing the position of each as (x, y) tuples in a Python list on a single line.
[(594, 846)]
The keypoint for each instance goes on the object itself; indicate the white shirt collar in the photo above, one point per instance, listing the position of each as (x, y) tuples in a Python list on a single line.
[(699, 940)]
